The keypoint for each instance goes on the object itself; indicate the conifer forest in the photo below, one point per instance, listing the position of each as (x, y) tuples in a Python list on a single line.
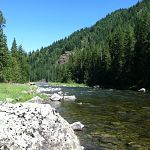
[(114, 52)]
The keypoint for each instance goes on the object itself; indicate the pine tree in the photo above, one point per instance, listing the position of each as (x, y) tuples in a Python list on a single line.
[(2, 20), (14, 49), (3, 56), (3, 49)]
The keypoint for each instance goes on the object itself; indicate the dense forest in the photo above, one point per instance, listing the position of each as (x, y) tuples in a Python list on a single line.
[(14, 65), (115, 52)]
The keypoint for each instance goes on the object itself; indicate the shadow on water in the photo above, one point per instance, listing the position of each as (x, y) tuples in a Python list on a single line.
[(113, 119)]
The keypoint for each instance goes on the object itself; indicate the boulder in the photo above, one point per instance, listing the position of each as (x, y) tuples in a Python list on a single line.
[(31, 126), (70, 98), (142, 90), (77, 126), (56, 97)]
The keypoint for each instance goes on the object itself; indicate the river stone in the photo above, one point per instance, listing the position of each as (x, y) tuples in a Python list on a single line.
[(142, 90), (77, 126), (32, 126), (56, 97)]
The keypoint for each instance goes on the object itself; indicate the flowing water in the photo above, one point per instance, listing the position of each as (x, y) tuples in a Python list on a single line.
[(113, 119)]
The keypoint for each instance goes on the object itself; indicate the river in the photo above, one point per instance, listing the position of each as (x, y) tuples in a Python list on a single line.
[(113, 119)]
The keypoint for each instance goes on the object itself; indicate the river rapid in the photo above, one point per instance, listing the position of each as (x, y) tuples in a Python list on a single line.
[(113, 119)]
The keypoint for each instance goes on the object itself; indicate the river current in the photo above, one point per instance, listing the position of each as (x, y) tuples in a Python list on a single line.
[(113, 119)]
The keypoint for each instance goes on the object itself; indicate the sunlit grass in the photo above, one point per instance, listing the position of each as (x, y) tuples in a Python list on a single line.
[(17, 92)]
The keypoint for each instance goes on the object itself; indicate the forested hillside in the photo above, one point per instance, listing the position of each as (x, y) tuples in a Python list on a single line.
[(115, 52), (14, 66)]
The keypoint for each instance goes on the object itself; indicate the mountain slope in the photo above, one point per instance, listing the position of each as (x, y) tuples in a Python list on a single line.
[(115, 52)]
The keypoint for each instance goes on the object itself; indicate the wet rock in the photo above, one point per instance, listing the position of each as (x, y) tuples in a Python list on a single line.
[(31, 126), (96, 87), (77, 126), (110, 90), (55, 104), (142, 90), (60, 93), (70, 98), (56, 97), (80, 103)]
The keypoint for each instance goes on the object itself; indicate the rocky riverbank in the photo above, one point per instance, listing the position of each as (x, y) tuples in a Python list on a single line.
[(55, 94), (33, 125)]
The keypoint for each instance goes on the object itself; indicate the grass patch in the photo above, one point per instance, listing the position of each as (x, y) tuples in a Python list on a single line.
[(17, 92), (71, 84)]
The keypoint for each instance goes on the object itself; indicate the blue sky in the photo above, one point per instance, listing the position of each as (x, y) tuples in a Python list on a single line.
[(37, 23)]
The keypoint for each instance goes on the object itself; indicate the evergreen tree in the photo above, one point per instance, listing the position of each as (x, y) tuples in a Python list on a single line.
[(14, 49), (2, 20), (3, 56), (3, 49)]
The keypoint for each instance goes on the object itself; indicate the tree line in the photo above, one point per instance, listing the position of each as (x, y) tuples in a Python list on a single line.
[(14, 65), (115, 52)]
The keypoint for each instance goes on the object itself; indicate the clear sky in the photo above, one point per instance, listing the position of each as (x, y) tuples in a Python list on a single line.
[(37, 23)]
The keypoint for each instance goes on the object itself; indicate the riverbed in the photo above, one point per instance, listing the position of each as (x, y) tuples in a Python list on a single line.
[(113, 119)]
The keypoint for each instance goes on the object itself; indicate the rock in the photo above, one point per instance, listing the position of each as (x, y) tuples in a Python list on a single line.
[(31, 83), (96, 87), (110, 90), (55, 104), (56, 97), (60, 93), (35, 99), (64, 57), (80, 103), (31, 126), (142, 90), (70, 98), (77, 126)]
